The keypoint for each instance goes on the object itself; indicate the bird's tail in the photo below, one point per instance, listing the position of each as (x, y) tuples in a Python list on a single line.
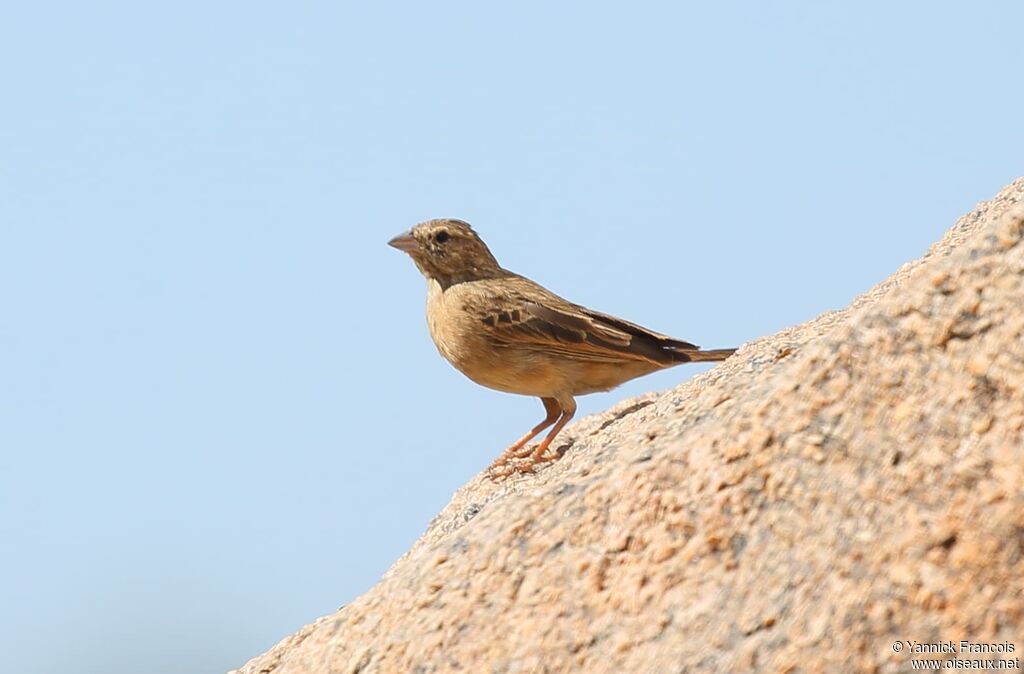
[(709, 355)]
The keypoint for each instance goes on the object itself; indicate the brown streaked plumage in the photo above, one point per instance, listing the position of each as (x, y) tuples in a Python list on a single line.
[(508, 333)]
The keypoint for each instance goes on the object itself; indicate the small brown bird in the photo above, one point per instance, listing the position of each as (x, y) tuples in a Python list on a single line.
[(508, 333)]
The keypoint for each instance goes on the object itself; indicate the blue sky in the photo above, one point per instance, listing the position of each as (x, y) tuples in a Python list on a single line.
[(220, 413)]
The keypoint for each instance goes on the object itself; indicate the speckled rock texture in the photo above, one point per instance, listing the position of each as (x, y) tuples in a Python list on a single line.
[(829, 490)]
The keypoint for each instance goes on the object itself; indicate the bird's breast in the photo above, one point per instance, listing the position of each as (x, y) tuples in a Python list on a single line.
[(454, 317), (450, 328)]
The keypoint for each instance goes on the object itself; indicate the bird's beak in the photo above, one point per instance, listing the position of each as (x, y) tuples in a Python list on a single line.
[(405, 243)]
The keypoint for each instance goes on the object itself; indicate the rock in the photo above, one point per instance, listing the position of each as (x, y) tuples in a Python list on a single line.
[(829, 490)]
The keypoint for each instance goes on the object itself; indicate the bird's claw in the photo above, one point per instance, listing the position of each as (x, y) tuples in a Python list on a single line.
[(505, 466)]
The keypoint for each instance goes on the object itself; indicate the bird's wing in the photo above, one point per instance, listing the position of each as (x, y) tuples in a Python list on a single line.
[(529, 315)]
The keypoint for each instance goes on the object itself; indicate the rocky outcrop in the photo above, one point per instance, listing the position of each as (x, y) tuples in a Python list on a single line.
[(831, 490)]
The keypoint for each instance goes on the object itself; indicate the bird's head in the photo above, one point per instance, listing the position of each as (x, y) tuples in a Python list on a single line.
[(448, 251)]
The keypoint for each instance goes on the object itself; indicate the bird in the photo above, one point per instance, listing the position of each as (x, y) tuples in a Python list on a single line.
[(511, 334)]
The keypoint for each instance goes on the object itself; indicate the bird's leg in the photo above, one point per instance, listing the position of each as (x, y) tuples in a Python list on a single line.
[(568, 410), (514, 452)]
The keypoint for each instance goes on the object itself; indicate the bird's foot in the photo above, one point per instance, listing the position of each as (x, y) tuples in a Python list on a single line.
[(505, 471), (505, 466), (508, 455)]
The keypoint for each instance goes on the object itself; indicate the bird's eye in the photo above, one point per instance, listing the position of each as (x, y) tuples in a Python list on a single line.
[(441, 236)]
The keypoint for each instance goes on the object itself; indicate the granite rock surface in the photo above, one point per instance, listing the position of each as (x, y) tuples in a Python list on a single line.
[(830, 490)]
